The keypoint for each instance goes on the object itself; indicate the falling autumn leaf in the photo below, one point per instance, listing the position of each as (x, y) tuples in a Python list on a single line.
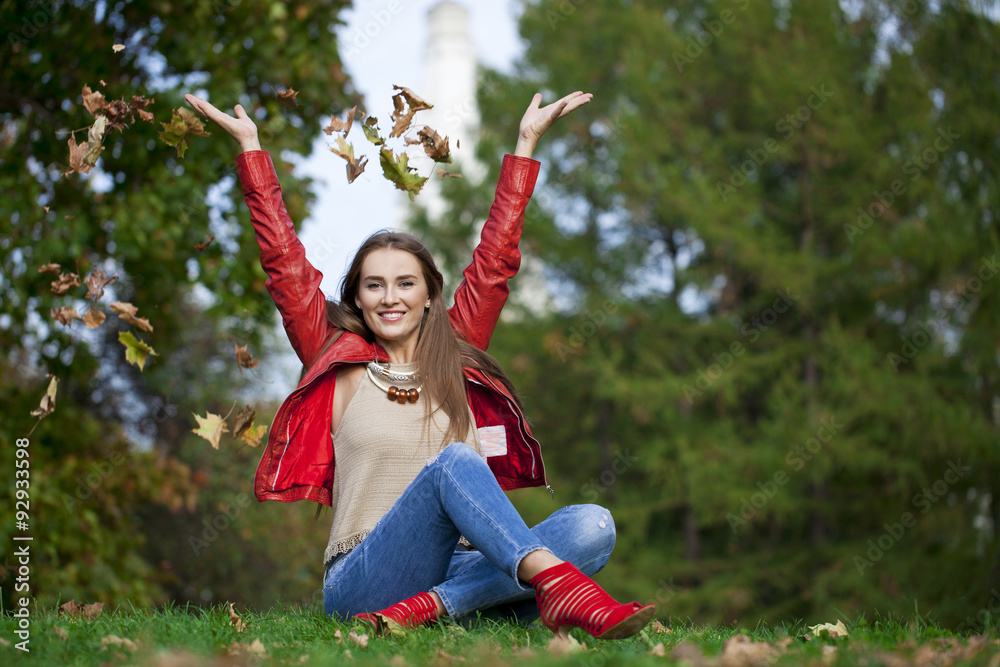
[(355, 166), (95, 140), (93, 101), (198, 247), (118, 47), (400, 173), (253, 435), (182, 124), (405, 103), (93, 318), (234, 618), (77, 155), (344, 126), (97, 281), (243, 358), (66, 282), (447, 174), (48, 402), (370, 127), (286, 97), (136, 350), (243, 420), (126, 311), (49, 268), (65, 314), (435, 146), (211, 427)]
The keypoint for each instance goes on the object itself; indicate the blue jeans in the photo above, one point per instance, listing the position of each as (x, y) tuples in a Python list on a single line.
[(413, 548)]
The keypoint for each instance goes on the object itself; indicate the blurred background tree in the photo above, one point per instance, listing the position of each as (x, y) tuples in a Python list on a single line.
[(771, 348), (119, 483)]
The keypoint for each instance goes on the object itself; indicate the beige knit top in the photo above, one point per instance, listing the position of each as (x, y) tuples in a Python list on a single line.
[(379, 447)]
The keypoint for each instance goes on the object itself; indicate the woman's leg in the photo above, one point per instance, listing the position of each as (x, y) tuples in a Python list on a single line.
[(581, 534), (411, 547)]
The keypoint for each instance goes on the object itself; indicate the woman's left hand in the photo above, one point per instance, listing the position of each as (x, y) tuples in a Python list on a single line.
[(537, 120)]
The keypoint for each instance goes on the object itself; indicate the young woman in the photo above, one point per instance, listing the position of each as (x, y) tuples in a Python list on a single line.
[(421, 526)]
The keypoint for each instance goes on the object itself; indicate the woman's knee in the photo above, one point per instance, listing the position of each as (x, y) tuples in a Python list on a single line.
[(594, 535), (455, 452)]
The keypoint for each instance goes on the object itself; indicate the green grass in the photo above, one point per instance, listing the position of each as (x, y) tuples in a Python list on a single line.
[(178, 636)]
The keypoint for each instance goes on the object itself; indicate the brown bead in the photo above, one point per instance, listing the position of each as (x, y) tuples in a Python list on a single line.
[(402, 398), (413, 395), (393, 393)]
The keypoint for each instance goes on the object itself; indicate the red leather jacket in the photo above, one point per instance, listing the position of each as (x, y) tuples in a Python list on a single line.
[(298, 461)]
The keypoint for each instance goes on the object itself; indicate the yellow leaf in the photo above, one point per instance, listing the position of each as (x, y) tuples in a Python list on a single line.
[(48, 402), (211, 427), (838, 630), (136, 350)]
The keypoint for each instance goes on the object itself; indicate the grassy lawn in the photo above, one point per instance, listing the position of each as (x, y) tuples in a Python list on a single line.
[(291, 636)]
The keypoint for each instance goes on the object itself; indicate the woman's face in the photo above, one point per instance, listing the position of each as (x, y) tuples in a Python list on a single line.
[(392, 296)]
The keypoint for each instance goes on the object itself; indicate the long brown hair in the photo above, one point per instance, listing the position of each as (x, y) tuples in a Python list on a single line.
[(441, 352)]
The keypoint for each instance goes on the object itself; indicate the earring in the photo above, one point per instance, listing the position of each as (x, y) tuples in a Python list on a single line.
[(428, 304)]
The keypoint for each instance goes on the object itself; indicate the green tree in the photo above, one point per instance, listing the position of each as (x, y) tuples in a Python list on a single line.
[(773, 235), (139, 215)]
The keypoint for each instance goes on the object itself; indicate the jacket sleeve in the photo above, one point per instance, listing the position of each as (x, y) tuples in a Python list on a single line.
[(292, 281), (483, 291)]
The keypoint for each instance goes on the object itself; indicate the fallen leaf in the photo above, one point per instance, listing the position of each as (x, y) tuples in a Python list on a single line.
[(687, 651), (234, 618), (49, 268), (286, 97), (256, 648), (243, 358), (97, 281), (4, 642), (838, 630), (45, 407), (88, 611), (198, 247), (338, 636), (360, 640), (93, 318), (65, 314), (435, 146), (77, 152), (126, 311), (337, 125), (657, 627), (400, 173), (112, 640), (397, 661), (740, 650), (444, 658), (355, 166), (405, 103), (659, 650), (60, 633), (562, 644), (182, 123), (137, 351), (118, 47), (211, 427), (65, 283)]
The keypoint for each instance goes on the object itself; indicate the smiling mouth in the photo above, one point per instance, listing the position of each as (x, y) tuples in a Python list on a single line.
[(392, 316)]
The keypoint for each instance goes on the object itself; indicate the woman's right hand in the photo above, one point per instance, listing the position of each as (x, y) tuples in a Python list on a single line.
[(241, 128)]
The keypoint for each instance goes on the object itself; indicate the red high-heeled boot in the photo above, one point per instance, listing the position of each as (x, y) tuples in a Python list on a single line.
[(409, 613), (569, 598)]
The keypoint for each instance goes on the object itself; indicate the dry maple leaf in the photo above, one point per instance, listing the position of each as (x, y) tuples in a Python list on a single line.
[(243, 420), (93, 318), (360, 640), (198, 247), (88, 611), (93, 101), (126, 311), (243, 358), (234, 618), (49, 268), (65, 282), (48, 403), (355, 166), (65, 314), (286, 97), (405, 104), (77, 153), (435, 146), (97, 281), (337, 125), (253, 435), (211, 427)]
